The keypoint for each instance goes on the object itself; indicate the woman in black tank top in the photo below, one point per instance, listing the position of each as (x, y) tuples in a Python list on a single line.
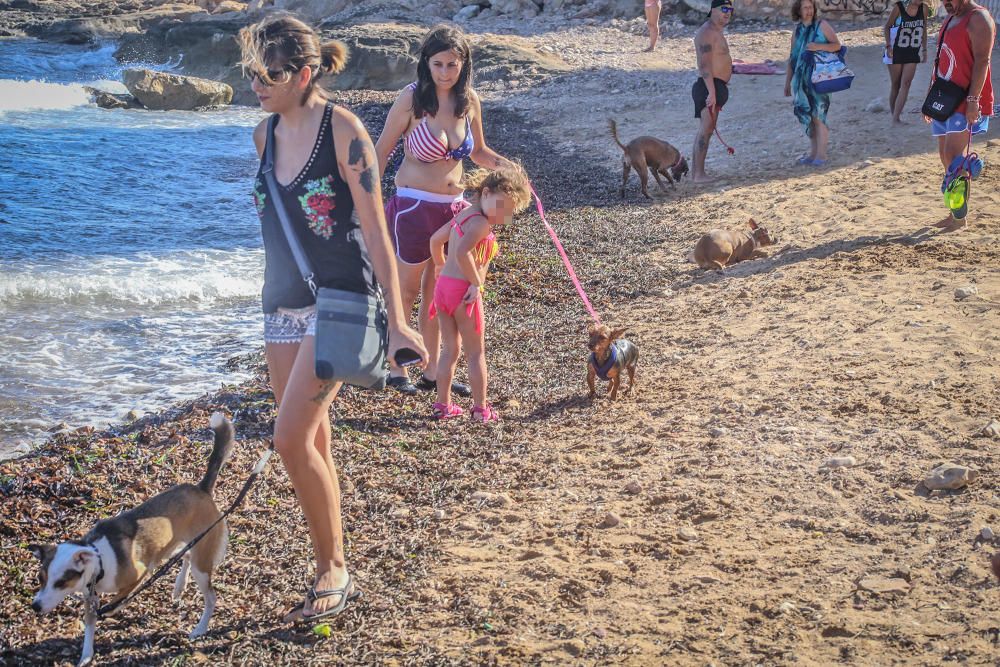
[(905, 46), (325, 165)]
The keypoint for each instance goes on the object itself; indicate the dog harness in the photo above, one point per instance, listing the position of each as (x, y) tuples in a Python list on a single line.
[(603, 369), (427, 147)]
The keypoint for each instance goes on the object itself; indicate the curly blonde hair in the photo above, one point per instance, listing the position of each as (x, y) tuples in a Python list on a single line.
[(511, 180)]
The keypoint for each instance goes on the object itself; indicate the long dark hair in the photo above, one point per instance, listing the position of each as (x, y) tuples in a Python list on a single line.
[(442, 38)]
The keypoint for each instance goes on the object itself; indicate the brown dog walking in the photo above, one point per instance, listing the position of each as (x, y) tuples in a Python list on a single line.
[(649, 153)]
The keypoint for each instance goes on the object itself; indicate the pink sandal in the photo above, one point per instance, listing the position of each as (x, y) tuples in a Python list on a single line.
[(442, 411), (485, 414)]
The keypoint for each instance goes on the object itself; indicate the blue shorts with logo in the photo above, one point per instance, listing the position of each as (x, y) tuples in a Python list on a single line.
[(958, 123)]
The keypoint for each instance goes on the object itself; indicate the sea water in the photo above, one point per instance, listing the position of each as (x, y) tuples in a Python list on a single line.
[(130, 252)]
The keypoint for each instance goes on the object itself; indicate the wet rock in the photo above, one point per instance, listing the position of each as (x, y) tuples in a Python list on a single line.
[(883, 585), (633, 488), (687, 534), (132, 415), (840, 462), (963, 293), (168, 92), (466, 13), (610, 520), (950, 476)]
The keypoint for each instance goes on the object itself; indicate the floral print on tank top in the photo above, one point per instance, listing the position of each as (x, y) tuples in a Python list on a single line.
[(259, 197), (317, 202)]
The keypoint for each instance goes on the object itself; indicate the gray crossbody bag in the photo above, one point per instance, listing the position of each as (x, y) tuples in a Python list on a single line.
[(352, 329)]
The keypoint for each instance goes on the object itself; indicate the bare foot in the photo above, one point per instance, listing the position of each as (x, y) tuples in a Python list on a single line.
[(647, 49), (328, 580), (703, 178), (331, 579)]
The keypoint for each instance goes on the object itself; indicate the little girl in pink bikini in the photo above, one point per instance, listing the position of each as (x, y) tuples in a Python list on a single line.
[(458, 299)]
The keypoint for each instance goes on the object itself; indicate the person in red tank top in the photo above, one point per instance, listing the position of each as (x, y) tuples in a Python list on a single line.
[(966, 42)]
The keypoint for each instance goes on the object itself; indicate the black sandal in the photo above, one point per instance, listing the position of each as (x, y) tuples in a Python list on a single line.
[(347, 594), (402, 385), (457, 388)]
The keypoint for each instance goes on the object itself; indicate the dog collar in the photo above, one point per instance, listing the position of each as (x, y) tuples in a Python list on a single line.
[(680, 158), (100, 570), (752, 239)]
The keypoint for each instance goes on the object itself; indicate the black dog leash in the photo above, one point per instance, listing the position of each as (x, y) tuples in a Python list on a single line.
[(110, 607)]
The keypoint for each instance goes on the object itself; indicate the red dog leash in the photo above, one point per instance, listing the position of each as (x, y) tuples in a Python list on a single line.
[(565, 259), (729, 149)]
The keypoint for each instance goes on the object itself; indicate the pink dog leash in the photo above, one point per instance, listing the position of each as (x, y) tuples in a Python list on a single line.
[(565, 259)]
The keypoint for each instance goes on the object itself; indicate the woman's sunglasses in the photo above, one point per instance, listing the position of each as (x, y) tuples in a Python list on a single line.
[(276, 76)]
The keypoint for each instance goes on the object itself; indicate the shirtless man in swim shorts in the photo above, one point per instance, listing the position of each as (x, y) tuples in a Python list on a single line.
[(711, 91)]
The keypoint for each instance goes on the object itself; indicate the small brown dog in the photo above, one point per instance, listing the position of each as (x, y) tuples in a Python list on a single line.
[(609, 355), (644, 153), (721, 248)]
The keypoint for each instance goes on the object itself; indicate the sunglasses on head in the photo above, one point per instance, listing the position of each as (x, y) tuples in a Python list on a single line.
[(276, 76)]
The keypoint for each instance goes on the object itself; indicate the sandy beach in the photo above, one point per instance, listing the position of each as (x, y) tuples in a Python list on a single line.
[(695, 522)]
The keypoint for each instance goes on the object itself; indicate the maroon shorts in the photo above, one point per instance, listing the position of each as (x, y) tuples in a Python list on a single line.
[(413, 217)]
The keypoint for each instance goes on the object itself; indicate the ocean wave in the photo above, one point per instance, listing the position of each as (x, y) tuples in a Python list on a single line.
[(32, 95), (193, 278)]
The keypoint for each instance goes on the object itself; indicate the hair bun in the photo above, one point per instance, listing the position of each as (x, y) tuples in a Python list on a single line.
[(333, 57)]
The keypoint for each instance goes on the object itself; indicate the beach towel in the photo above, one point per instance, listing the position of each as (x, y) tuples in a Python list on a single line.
[(766, 67)]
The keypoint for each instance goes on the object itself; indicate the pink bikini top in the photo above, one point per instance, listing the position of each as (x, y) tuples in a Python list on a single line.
[(427, 147), (487, 249)]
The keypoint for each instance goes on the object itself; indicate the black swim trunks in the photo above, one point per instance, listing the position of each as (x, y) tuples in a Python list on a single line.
[(699, 93)]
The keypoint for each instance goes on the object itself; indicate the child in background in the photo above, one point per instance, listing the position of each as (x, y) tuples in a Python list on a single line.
[(458, 301)]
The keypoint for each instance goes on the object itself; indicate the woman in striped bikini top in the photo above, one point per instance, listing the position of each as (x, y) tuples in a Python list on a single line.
[(424, 145)]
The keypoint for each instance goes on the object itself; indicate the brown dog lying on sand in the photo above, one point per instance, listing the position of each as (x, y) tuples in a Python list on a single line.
[(721, 248), (610, 354), (644, 153)]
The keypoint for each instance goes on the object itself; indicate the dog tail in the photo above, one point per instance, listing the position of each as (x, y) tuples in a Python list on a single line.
[(225, 438), (614, 134)]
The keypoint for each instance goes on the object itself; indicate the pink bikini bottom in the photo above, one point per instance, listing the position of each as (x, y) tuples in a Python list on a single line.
[(448, 293)]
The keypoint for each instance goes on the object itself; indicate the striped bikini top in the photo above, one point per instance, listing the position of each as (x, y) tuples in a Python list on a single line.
[(487, 249), (427, 147)]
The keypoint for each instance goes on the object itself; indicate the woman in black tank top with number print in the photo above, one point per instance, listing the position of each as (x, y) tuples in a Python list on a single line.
[(907, 48), (328, 180)]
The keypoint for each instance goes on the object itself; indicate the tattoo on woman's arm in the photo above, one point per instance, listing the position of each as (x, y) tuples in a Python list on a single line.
[(359, 157)]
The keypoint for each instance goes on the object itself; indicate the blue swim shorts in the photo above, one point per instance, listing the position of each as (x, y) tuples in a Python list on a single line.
[(958, 123)]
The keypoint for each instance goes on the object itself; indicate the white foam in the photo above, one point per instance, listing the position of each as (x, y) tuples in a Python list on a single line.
[(203, 278), (32, 95)]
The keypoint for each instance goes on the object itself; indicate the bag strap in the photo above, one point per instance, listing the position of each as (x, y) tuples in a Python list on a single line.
[(937, 56), (267, 168)]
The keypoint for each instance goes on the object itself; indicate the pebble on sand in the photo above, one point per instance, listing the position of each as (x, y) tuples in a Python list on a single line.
[(840, 462), (991, 430), (633, 488), (950, 476), (877, 105), (879, 584), (687, 534), (986, 533), (963, 293), (610, 520)]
